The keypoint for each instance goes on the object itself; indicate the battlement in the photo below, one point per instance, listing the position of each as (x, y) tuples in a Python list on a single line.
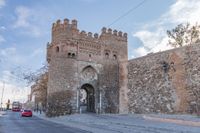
[(65, 24), (68, 29), (89, 35), (115, 33)]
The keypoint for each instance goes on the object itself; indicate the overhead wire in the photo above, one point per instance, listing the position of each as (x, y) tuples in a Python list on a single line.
[(126, 13)]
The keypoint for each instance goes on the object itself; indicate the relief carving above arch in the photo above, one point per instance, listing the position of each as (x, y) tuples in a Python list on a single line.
[(89, 74)]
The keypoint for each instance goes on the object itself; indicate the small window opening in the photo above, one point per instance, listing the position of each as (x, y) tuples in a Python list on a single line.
[(115, 56), (69, 54), (57, 49), (165, 66), (89, 55), (73, 54), (107, 55)]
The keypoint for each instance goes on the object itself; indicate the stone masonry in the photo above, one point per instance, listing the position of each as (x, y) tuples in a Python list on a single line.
[(165, 82), (91, 73), (84, 69)]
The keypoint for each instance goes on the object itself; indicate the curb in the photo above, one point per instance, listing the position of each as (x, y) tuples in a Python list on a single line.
[(171, 120)]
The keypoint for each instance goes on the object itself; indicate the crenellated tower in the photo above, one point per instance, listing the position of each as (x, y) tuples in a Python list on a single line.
[(80, 60), (61, 30)]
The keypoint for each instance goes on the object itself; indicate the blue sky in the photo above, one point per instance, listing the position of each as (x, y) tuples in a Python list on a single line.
[(25, 29)]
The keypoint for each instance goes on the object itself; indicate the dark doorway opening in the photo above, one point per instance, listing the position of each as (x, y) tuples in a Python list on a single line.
[(87, 98)]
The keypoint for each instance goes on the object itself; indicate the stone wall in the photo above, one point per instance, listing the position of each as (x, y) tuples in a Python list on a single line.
[(165, 82), (109, 84), (62, 78), (59, 103)]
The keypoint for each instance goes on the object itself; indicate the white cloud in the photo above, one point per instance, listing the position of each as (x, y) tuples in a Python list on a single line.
[(24, 17), (2, 3), (10, 56), (8, 51), (150, 38), (2, 39), (23, 13), (141, 51), (2, 28), (182, 11), (153, 41)]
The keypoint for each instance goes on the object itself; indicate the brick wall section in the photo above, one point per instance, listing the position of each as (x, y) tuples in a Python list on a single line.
[(109, 82), (72, 51)]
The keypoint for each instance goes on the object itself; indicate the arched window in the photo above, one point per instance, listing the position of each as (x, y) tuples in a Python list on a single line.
[(115, 56), (90, 55), (73, 54), (69, 54), (57, 49), (107, 55)]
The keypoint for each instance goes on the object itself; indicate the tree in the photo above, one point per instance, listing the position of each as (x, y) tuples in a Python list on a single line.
[(38, 82), (27, 76), (184, 34), (34, 77), (39, 89)]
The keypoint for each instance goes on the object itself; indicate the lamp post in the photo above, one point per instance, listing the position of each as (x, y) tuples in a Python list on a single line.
[(100, 96), (77, 100), (2, 95)]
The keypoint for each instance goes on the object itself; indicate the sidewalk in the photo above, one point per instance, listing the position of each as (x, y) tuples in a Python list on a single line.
[(76, 121), (112, 123)]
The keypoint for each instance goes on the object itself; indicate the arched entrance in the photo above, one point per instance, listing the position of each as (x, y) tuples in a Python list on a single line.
[(87, 98)]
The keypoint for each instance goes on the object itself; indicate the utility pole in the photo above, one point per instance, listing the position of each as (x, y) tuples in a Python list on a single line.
[(2, 95)]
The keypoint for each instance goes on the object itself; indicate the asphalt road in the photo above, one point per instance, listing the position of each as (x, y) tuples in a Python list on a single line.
[(12, 122)]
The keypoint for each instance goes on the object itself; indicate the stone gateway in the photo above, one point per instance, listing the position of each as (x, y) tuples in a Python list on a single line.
[(91, 73), (86, 71)]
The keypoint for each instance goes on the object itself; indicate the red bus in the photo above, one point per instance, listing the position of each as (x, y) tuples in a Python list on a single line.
[(16, 106)]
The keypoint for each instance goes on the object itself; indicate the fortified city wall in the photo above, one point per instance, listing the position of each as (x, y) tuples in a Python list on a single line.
[(165, 82)]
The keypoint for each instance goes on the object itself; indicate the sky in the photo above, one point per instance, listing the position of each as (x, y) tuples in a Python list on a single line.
[(25, 29)]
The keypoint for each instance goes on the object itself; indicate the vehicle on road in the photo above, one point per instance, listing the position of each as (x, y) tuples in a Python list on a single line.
[(16, 106), (27, 113)]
